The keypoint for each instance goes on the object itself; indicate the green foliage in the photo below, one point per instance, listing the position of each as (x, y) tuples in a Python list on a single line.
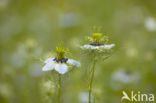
[(30, 29)]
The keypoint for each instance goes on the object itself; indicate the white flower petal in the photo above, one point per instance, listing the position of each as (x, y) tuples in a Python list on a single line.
[(74, 62), (48, 66), (89, 47), (109, 46), (95, 47), (49, 60), (85, 46), (61, 68)]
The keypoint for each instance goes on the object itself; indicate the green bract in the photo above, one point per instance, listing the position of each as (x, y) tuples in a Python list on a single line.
[(98, 54)]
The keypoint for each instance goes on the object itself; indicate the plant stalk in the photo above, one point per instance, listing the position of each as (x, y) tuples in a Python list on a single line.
[(91, 81), (59, 88)]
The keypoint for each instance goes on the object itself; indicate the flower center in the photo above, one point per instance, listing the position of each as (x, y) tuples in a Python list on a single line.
[(97, 37), (60, 52), (96, 44), (64, 60)]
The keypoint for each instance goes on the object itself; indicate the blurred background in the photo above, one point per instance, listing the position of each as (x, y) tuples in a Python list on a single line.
[(30, 30)]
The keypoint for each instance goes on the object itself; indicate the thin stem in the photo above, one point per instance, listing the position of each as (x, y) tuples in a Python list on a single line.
[(59, 88), (91, 81)]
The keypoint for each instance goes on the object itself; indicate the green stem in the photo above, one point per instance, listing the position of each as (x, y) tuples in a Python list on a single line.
[(59, 88), (91, 81)]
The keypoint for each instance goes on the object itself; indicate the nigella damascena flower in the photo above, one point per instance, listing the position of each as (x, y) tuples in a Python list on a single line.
[(97, 42), (99, 46), (60, 63)]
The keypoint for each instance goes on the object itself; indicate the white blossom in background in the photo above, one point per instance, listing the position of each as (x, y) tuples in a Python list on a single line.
[(60, 63), (26, 49), (83, 97), (32, 47), (48, 88), (48, 84), (67, 20), (121, 77), (150, 24), (4, 4), (6, 90)]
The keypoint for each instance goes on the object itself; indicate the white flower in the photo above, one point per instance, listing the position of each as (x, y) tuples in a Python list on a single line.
[(48, 85), (123, 76), (89, 46), (60, 66), (150, 24), (68, 20)]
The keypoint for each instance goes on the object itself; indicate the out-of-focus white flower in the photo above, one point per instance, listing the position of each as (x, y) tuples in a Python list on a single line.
[(123, 76), (48, 88), (67, 20), (4, 4), (83, 97), (89, 46), (150, 24), (6, 90), (61, 66), (132, 52), (74, 43), (31, 43), (48, 85)]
